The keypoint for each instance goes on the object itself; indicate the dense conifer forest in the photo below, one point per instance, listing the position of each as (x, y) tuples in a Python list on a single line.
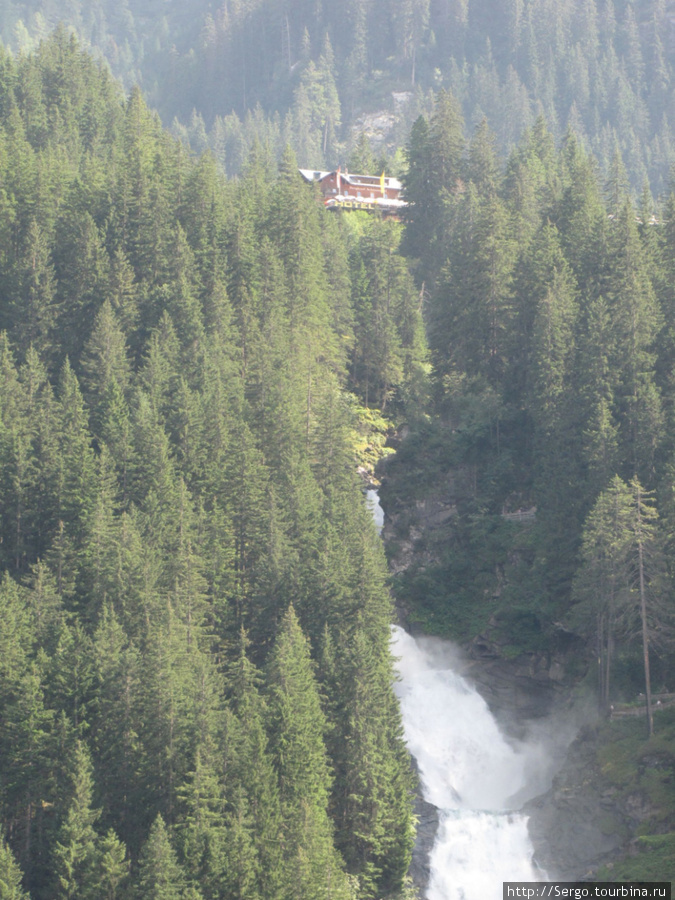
[(304, 71), (195, 682), (550, 318)]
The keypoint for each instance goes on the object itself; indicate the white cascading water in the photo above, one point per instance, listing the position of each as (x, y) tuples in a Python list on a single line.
[(373, 504), (469, 771)]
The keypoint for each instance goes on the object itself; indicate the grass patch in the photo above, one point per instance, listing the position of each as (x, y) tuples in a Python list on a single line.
[(653, 859), (646, 768)]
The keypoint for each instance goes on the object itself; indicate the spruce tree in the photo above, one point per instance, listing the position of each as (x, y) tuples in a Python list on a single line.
[(373, 777), (254, 779), (10, 875), (159, 877), (297, 725), (202, 834), (37, 311), (28, 745), (104, 361), (113, 868), (115, 723), (637, 320), (75, 854)]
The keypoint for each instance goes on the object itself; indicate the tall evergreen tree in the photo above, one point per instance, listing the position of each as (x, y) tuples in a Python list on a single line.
[(10, 875), (160, 877), (76, 846), (297, 725)]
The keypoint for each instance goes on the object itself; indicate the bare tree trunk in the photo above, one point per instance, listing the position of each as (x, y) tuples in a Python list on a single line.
[(643, 616), (645, 639), (608, 663), (601, 661), (309, 405)]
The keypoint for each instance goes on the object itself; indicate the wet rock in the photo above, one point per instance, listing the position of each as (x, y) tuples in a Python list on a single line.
[(427, 827), (522, 689)]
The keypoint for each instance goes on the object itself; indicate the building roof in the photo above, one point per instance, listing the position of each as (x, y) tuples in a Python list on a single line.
[(355, 180), (312, 175)]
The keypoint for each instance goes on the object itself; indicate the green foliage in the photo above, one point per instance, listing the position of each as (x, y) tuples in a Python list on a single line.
[(160, 876), (297, 727), (113, 868), (653, 859), (256, 73), (75, 850), (177, 465), (638, 767), (10, 876), (547, 316)]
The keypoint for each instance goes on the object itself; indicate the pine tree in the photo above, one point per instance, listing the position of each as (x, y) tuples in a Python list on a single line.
[(75, 854), (160, 877), (602, 581), (10, 875), (37, 312), (113, 868), (296, 727)]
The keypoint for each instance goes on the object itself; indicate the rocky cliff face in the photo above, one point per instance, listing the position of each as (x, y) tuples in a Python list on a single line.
[(579, 824)]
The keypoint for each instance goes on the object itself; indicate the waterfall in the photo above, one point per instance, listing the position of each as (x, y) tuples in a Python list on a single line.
[(470, 771), (373, 504)]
